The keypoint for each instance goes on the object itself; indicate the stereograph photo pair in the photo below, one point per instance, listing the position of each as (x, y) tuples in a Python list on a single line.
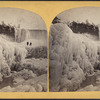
[(74, 51)]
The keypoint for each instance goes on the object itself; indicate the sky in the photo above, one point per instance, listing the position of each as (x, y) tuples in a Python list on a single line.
[(81, 14), (26, 19)]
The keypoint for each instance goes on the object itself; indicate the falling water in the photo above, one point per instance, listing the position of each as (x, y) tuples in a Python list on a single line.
[(39, 34), (24, 34), (28, 35)]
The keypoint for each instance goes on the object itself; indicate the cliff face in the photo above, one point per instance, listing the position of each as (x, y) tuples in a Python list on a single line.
[(72, 57)]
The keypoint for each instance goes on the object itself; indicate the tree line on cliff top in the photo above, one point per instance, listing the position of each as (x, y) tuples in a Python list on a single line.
[(80, 27)]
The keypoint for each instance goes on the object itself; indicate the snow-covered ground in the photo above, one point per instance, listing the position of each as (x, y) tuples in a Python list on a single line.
[(23, 74), (73, 58)]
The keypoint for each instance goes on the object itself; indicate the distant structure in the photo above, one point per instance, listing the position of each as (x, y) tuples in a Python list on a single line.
[(30, 43), (27, 43)]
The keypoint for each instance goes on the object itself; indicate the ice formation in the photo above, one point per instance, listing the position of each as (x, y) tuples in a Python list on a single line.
[(9, 53), (29, 74), (72, 57)]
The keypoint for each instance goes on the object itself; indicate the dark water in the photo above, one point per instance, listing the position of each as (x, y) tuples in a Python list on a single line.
[(6, 82)]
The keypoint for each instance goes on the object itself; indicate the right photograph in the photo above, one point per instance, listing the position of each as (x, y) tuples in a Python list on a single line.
[(74, 50)]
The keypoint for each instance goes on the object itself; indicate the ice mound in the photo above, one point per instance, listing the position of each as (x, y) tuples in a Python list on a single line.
[(72, 57), (20, 88), (37, 66), (25, 72), (9, 53)]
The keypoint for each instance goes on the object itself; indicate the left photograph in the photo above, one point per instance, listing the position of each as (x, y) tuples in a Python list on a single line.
[(23, 51)]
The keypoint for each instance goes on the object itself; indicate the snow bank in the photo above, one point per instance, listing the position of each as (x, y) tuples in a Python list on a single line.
[(72, 57), (36, 84), (20, 88), (90, 88)]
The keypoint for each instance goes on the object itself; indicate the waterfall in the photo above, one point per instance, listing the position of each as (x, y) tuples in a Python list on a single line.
[(24, 34), (28, 35), (21, 35), (39, 34), (17, 34)]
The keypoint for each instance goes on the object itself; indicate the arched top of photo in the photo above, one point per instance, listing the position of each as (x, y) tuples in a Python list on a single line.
[(74, 50), (23, 51)]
